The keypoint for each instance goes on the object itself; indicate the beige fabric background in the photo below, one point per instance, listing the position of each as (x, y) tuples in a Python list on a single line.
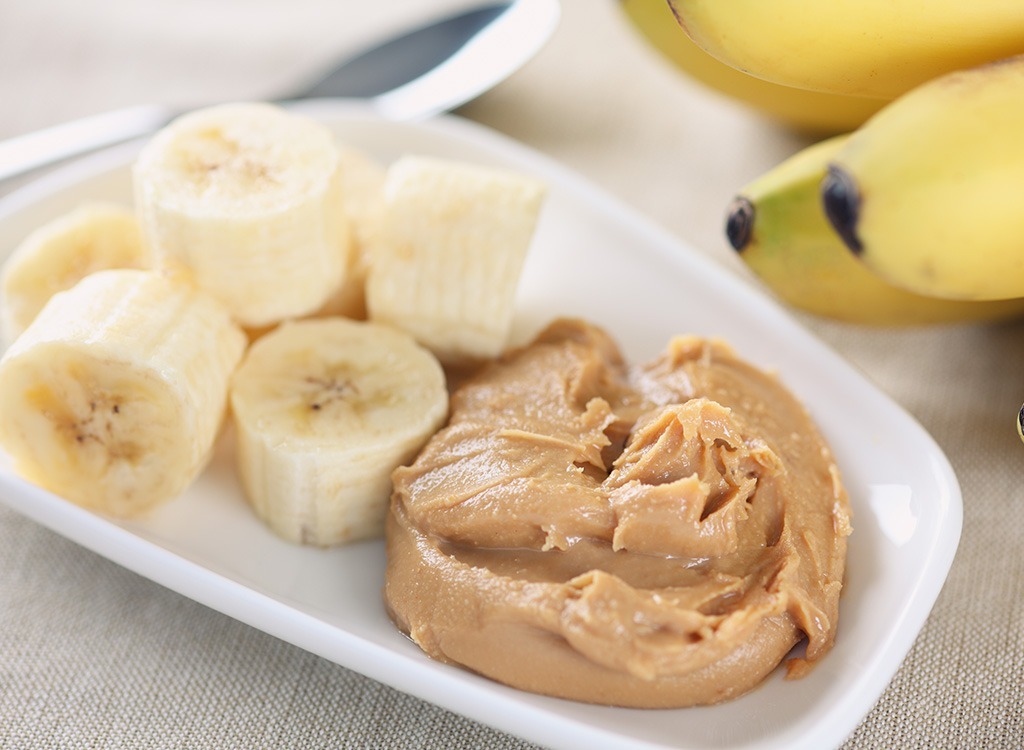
[(93, 656)]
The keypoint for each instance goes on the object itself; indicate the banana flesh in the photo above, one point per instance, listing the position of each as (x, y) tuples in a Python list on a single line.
[(114, 394), (780, 231), (59, 254), (450, 253), (324, 410), (870, 48), (927, 193), (246, 196), (362, 203), (259, 233), (811, 112)]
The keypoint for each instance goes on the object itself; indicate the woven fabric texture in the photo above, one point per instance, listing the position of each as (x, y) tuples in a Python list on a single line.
[(94, 656)]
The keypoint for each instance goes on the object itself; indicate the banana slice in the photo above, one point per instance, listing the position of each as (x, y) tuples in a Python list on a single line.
[(362, 192), (247, 197), (114, 395), (59, 254), (362, 201), (324, 410), (451, 250)]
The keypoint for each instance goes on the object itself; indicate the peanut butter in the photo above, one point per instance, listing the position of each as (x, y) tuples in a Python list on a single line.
[(650, 536)]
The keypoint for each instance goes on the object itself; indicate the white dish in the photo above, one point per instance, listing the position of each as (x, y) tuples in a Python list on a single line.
[(596, 259)]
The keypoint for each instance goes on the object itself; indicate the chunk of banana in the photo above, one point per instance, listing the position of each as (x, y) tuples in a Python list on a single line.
[(324, 410), (114, 395), (59, 254), (362, 201), (246, 196), (450, 254)]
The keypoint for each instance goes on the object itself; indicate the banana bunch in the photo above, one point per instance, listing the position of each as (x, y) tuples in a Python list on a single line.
[(825, 67), (812, 112), (866, 48), (237, 290), (777, 225), (927, 194), (912, 218)]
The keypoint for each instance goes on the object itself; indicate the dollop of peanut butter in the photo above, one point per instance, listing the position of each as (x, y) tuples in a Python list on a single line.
[(659, 535)]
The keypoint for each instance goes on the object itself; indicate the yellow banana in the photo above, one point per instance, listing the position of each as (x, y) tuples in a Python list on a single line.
[(875, 48), (927, 193), (805, 111), (777, 225)]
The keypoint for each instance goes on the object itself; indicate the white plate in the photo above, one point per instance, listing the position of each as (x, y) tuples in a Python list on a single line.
[(593, 258)]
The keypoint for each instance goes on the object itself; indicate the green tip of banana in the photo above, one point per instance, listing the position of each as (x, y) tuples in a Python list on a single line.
[(840, 197), (779, 228)]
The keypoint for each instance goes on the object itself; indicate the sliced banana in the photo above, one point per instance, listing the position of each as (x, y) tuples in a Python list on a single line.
[(113, 396), (57, 255), (247, 197), (324, 410), (362, 192), (451, 251), (362, 201)]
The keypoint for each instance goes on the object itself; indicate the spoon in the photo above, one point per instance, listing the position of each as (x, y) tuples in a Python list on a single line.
[(417, 74)]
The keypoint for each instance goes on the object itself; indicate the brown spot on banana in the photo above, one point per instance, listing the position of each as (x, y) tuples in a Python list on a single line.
[(331, 389)]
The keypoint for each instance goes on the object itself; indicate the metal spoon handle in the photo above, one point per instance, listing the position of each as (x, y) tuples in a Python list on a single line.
[(480, 47), (496, 51), (24, 153)]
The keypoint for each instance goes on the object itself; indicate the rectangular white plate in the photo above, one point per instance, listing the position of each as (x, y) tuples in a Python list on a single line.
[(595, 259)]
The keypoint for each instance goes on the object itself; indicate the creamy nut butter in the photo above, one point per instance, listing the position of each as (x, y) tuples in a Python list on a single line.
[(650, 536)]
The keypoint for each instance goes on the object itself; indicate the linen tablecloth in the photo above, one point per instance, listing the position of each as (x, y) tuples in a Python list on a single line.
[(94, 656)]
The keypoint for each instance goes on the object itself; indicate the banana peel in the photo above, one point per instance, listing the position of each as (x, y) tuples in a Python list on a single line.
[(809, 112), (870, 48), (778, 227)]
